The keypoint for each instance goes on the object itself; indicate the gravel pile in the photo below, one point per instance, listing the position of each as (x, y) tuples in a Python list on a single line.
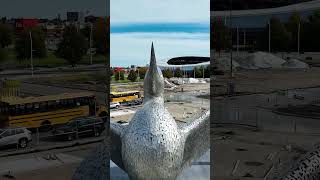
[(260, 60)]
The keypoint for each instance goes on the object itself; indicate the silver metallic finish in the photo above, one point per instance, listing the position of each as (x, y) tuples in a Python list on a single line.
[(152, 146), (308, 168), (153, 81)]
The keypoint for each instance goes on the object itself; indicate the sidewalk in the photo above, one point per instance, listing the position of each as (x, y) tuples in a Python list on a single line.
[(199, 170), (47, 147)]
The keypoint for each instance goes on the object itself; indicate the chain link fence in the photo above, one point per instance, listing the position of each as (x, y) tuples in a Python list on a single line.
[(262, 111)]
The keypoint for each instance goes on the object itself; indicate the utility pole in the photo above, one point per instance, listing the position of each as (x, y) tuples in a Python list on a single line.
[(90, 43), (31, 53)]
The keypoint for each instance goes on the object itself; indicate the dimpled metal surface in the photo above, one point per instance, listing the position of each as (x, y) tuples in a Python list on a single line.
[(308, 168), (152, 146)]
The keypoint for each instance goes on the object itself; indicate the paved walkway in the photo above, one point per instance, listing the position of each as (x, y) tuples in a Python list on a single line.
[(200, 170)]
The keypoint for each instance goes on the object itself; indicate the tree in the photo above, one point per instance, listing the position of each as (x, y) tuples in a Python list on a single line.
[(220, 36), (101, 36), (178, 73), (280, 37), (142, 72), (207, 71), (132, 76), (119, 75), (310, 38), (197, 72), (167, 73), (292, 27), (3, 55), (23, 44), (73, 46), (6, 35)]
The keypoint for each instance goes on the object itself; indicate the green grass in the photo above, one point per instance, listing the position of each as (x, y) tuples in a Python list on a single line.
[(113, 80), (50, 61), (78, 78)]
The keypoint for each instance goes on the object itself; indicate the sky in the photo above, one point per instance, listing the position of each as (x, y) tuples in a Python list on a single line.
[(51, 8), (177, 28)]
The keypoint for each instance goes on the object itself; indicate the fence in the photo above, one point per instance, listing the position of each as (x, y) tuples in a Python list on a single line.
[(259, 110)]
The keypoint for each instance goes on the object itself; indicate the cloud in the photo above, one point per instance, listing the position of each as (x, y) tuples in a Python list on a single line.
[(134, 48), (177, 28), (124, 11)]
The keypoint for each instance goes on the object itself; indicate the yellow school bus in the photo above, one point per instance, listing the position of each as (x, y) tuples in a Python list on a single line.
[(127, 96), (34, 112)]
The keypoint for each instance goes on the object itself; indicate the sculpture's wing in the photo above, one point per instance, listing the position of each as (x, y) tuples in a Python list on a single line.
[(116, 130), (96, 165), (197, 138)]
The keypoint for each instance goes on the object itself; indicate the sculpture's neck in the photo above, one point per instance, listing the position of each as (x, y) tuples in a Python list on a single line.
[(153, 82)]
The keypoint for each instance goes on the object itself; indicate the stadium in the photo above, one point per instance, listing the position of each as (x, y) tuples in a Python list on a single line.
[(247, 24), (186, 63)]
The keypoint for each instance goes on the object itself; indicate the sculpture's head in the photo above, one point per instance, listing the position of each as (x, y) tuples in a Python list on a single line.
[(153, 81)]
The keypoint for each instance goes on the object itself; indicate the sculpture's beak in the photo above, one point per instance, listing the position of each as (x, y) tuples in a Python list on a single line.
[(153, 82)]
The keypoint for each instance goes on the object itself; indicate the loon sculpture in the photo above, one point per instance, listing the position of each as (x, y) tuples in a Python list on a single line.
[(153, 146), (307, 168)]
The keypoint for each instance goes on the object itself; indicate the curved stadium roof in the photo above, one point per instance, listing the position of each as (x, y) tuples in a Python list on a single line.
[(305, 6), (188, 62)]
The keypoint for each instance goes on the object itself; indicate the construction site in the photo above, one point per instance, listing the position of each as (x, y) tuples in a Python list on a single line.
[(265, 114)]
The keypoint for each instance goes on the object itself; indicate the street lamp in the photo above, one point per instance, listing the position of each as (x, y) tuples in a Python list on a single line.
[(90, 43), (299, 24), (31, 53), (269, 36), (231, 61)]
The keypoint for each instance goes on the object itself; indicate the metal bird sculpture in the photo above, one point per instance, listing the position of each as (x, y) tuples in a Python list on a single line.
[(152, 146), (307, 168)]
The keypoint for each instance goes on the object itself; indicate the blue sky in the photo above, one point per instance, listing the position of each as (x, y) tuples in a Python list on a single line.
[(177, 28)]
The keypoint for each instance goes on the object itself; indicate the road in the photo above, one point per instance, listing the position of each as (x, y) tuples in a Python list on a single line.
[(39, 89), (50, 165)]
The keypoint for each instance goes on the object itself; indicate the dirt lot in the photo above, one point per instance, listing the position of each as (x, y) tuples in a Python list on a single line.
[(184, 102), (267, 80), (249, 153)]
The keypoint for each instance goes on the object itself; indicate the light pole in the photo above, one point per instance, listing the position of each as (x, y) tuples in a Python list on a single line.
[(90, 43), (203, 72), (244, 39), (299, 37), (269, 36), (231, 61), (31, 53), (238, 41)]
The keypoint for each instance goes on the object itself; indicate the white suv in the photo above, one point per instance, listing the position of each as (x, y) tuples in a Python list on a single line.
[(15, 136), (114, 105)]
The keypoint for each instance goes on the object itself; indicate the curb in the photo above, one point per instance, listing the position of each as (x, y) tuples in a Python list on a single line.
[(41, 149)]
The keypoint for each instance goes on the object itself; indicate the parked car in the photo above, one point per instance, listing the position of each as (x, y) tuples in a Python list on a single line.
[(79, 127), (122, 122), (133, 103), (114, 105), (15, 136)]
